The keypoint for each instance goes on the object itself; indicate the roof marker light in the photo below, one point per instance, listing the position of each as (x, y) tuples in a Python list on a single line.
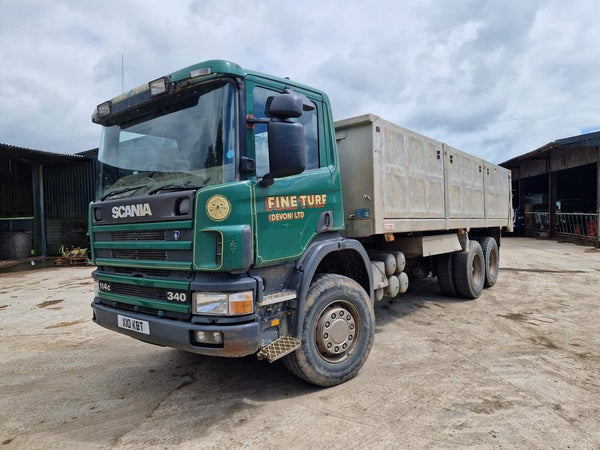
[(103, 109), (200, 72), (158, 87)]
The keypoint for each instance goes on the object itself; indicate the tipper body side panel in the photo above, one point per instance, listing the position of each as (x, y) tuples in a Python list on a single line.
[(396, 180)]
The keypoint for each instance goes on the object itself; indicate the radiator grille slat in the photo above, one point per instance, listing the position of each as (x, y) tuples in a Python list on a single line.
[(146, 292), (143, 255), (148, 273), (155, 235)]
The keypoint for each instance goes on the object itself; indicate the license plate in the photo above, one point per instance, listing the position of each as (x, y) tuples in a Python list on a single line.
[(139, 326)]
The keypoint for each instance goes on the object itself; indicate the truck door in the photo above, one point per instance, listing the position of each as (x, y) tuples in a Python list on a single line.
[(288, 211)]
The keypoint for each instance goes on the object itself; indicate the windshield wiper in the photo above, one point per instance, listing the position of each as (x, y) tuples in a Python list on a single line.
[(173, 187), (121, 191)]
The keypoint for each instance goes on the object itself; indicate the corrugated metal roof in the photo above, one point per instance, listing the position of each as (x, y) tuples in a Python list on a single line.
[(581, 137), (538, 151), (92, 153), (550, 145), (37, 155)]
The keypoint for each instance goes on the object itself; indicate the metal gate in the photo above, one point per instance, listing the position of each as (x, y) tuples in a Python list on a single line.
[(577, 224)]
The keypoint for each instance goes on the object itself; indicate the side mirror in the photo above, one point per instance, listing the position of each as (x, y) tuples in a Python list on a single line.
[(284, 106), (286, 149), (287, 105), (286, 139)]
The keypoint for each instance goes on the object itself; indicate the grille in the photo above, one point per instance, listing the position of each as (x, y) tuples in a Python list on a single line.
[(156, 235), (147, 272), (153, 312), (159, 255), (146, 292)]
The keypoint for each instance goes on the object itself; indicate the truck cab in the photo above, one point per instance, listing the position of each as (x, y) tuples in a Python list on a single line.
[(219, 189)]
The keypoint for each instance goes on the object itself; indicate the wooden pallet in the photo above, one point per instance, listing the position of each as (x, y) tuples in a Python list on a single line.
[(71, 261)]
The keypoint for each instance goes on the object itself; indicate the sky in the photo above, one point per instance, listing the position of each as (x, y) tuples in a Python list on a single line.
[(494, 78)]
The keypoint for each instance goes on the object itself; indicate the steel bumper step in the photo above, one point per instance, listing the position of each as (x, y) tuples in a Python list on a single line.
[(279, 348)]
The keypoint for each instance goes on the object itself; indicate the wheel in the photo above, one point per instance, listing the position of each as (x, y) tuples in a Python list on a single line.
[(337, 333), (417, 269), (445, 274), (491, 256), (469, 271)]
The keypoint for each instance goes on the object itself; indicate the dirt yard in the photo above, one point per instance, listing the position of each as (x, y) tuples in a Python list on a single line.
[(519, 367)]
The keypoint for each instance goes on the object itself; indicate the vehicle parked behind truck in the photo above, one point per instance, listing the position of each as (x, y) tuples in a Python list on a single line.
[(234, 217)]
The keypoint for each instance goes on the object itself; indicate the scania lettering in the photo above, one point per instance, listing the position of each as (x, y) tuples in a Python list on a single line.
[(142, 209), (235, 217)]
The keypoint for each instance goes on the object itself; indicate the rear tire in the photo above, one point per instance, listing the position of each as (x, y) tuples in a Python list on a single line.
[(491, 256), (469, 271), (445, 274), (337, 333)]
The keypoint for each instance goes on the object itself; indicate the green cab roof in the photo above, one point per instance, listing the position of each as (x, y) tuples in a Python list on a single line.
[(221, 66), (217, 67)]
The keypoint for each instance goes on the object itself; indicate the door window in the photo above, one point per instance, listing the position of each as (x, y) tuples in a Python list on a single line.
[(261, 146)]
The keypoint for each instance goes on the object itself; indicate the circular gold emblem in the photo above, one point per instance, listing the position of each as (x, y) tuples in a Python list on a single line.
[(218, 208)]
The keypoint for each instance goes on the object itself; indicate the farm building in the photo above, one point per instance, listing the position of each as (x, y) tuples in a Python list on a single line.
[(44, 200), (556, 188)]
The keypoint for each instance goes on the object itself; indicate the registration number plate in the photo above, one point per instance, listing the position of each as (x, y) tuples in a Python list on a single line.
[(128, 323)]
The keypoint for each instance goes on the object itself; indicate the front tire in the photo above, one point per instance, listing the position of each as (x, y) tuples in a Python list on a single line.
[(337, 332)]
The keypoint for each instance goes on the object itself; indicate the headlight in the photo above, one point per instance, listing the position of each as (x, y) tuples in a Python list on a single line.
[(209, 303), (223, 303)]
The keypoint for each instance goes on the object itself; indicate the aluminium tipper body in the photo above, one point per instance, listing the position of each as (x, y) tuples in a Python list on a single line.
[(395, 181)]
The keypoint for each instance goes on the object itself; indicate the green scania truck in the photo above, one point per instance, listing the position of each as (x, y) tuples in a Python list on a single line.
[(234, 217)]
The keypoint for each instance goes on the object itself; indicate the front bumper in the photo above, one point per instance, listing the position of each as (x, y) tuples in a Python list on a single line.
[(238, 339)]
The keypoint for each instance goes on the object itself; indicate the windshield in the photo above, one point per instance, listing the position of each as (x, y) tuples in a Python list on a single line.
[(191, 144)]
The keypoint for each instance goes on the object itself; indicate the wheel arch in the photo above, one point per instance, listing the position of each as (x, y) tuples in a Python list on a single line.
[(334, 254)]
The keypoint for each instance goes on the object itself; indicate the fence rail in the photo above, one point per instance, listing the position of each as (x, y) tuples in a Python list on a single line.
[(538, 221), (570, 224), (576, 224)]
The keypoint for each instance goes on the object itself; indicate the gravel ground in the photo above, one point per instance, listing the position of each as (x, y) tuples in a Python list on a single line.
[(518, 367)]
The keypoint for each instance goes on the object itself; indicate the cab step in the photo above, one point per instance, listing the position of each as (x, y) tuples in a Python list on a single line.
[(279, 348)]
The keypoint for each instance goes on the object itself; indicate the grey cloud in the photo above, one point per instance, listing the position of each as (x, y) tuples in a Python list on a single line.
[(468, 117), (493, 78)]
